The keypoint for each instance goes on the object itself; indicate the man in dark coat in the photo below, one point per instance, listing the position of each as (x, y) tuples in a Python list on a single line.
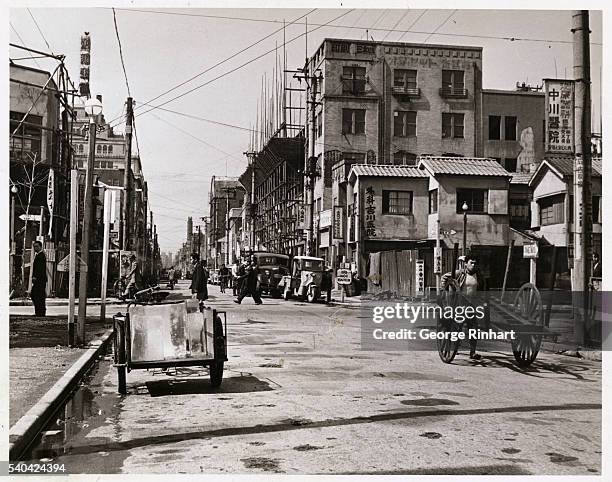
[(199, 278), (39, 280), (249, 283)]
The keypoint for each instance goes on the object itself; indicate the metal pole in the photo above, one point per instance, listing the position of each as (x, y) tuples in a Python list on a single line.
[(312, 162), (40, 225), (227, 222), (508, 261), (107, 203), (198, 240), (582, 171), (127, 178), (438, 250), (252, 243), (85, 232), (464, 233), (74, 218), (12, 234)]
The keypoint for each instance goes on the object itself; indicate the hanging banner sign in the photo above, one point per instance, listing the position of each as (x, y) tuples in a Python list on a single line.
[(51, 197), (85, 62), (419, 267), (338, 222), (559, 116)]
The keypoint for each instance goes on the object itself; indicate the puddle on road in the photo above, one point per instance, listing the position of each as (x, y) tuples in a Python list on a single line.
[(87, 409)]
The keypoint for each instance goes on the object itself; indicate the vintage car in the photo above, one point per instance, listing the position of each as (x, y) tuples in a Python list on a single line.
[(272, 267), (213, 277), (309, 278)]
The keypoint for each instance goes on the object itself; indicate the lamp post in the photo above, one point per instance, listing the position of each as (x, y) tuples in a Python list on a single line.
[(14, 191), (93, 108), (465, 208)]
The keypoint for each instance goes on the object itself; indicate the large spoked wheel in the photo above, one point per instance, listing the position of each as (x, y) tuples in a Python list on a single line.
[(313, 294), (448, 345), (216, 367), (120, 356), (528, 305)]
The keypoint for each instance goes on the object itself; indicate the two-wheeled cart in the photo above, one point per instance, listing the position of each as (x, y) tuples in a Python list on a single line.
[(524, 316), (171, 334)]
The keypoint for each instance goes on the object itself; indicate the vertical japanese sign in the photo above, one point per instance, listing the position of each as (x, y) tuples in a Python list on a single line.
[(338, 222), (85, 61), (50, 197), (370, 213), (419, 267), (559, 116)]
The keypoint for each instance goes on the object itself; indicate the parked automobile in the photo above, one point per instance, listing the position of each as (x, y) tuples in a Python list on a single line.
[(213, 277), (272, 267), (309, 278)]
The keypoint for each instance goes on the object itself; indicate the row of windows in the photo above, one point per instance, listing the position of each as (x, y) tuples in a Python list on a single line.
[(100, 149), (354, 80), (552, 209), (400, 202), (97, 164), (404, 123)]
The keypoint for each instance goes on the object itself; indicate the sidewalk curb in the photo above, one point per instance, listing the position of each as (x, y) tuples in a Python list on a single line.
[(25, 430), (51, 302)]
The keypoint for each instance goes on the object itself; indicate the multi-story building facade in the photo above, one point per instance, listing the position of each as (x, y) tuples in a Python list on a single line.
[(225, 194), (387, 103), (38, 168)]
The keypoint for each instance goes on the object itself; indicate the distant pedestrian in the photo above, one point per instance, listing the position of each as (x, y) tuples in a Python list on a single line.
[(596, 266), (249, 284), (38, 292), (224, 276), (199, 279), (133, 279)]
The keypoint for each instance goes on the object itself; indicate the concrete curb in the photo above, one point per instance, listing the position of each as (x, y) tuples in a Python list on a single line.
[(25, 430), (51, 302)]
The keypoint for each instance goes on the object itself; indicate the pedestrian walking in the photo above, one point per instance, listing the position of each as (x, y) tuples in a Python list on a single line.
[(596, 266), (171, 277), (38, 293), (249, 283), (133, 278), (224, 275), (199, 279)]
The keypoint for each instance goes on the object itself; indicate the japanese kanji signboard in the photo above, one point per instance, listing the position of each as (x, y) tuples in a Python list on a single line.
[(370, 213), (559, 116)]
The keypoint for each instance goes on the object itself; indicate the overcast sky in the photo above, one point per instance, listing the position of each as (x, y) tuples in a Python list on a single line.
[(162, 50)]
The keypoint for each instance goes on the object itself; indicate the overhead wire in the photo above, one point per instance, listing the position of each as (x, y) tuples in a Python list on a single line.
[(396, 24), (127, 84), (413, 24), (241, 66), (40, 31), (23, 42), (227, 59), (440, 26)]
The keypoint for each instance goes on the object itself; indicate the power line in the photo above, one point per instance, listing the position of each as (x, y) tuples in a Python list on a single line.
[(396, 24), (241, 66), (413, 24), (526, 39), (23, 42), (224, 60), (440, 26), (40, 31), (121, 53)]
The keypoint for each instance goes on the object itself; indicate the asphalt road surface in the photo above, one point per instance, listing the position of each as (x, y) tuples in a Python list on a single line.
[(299, 396)]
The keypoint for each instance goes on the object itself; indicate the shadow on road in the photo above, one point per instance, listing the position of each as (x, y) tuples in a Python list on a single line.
[(178, 386)]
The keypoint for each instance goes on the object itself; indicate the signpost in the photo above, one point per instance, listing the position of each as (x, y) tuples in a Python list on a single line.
[(64, 264), (437, 260), (343, 277), (420, 277), (30, 217), (530, 251)]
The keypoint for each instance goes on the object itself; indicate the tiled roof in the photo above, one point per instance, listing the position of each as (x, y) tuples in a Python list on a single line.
[(565, 165), (387, 170), (466, 166), (520, 177)]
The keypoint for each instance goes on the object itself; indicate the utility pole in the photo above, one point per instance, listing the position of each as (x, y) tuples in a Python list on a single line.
[(105, 246), (311, 163), (86, 230), (251, 156), (199, 241), (583, 222), (72, 260), (227, 226), (127, 179)]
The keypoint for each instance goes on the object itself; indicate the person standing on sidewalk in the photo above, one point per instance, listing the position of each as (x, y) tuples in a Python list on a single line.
[(224, 275), (38, 292), (133, 278), (249, 285), (199, 279)]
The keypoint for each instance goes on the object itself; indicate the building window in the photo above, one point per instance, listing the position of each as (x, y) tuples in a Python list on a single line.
[(354, 157), (510, 164), (452, 126), (80, 148), (397, 202), (405, 79), (433, 201), (99, 149), (552, 210), (404, 124), (353, 80), (404, 158), (476, 200), (453, 80), (25, 145), (519, 213), (104, 149), (353, 121), (494, 127), (319, 124), (110, 149), (80, 163), (510, 128), (319, 205)]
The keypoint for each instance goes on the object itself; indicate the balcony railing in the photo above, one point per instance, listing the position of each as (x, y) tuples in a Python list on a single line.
[(406, 91), (453, 93)]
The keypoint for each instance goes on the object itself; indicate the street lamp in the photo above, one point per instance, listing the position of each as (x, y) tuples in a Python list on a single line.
[(14, 192), (93, 108), (465, 208)]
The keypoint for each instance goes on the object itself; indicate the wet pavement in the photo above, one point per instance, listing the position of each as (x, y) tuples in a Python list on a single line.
[(299, 396)]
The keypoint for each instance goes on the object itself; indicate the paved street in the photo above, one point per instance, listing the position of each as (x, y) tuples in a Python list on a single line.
[(300, 397)]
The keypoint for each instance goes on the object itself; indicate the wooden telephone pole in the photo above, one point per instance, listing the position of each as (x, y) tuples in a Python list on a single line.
[(125, 227)]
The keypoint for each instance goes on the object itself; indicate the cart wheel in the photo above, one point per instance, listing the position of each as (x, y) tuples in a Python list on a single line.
[(120, 358), (528, 305), (447, 348), (216, 374)]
